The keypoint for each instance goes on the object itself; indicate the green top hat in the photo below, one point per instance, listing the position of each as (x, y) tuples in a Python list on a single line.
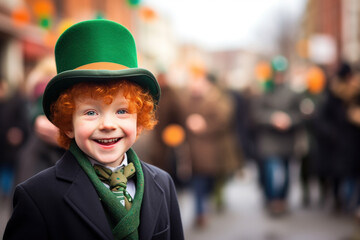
[(96, 51)]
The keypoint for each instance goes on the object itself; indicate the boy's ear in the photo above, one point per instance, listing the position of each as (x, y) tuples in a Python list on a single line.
[(70, 134), (139, 130)]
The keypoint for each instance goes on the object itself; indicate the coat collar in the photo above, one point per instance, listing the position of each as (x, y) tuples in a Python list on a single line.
[(152, 201), (83, 198)]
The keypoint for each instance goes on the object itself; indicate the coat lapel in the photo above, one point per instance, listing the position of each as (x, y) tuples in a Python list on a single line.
[(82, 196), (151, 204)]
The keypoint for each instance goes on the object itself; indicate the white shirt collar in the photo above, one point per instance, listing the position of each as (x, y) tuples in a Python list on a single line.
[(123, 163)]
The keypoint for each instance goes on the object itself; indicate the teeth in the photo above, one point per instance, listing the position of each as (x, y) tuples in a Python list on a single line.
[(107, 140)]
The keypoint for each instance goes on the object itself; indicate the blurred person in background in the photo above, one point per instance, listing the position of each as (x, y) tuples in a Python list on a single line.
[(165, 146), (208, 115), (164, 151), (242, 123), (339, 126), (42, 151), (14, 131), (277, 117), (312, 100)]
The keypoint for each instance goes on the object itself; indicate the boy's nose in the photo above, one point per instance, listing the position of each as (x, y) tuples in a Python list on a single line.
[(107, 122)]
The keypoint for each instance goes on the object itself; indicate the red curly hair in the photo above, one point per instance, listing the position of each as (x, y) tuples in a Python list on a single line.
[(140, 102)]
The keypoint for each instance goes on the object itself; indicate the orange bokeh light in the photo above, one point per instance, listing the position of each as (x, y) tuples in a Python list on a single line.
[(21, 16), (315, 80), (173, 135), (263, 70)]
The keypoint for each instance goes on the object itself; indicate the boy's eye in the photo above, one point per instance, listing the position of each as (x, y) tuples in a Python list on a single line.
[(90, 113), (122, 111)]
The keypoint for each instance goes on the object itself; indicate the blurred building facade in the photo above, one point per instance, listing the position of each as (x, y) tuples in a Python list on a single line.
[(330, 32), (15, 39), (29, 30), (351, 30)]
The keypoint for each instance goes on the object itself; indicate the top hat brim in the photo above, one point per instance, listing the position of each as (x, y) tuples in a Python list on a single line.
[(144, 78)]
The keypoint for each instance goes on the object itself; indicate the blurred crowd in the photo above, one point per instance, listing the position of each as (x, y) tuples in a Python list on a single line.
[(28, 139), (208, 133)]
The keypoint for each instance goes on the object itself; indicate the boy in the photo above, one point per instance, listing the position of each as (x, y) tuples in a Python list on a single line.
[(100, 101)]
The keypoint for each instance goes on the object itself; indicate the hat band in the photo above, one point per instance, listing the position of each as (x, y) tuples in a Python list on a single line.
[(102, 66)]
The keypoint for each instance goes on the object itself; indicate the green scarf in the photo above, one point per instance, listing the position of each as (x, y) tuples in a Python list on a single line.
[(125, 223)]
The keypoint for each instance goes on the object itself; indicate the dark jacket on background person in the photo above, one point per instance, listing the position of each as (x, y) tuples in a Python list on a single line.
[(13, 115), (37, 154), (62, 203), (338, 137), (269, 140)]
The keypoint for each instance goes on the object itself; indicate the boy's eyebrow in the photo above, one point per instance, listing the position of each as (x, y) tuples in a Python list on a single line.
[(123, 103)]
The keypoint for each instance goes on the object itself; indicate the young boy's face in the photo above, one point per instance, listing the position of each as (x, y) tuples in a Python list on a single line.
[(103, 131)]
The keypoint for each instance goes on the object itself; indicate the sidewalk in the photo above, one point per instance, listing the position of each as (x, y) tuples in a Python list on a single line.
[(245, 218), (4, 215)]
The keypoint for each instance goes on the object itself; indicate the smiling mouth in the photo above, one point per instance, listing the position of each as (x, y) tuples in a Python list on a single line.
[(107, 141)]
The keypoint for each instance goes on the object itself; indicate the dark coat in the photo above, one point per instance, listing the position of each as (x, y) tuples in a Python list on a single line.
[(338, 140), (12, 116), (269, 140), (61, 203)]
